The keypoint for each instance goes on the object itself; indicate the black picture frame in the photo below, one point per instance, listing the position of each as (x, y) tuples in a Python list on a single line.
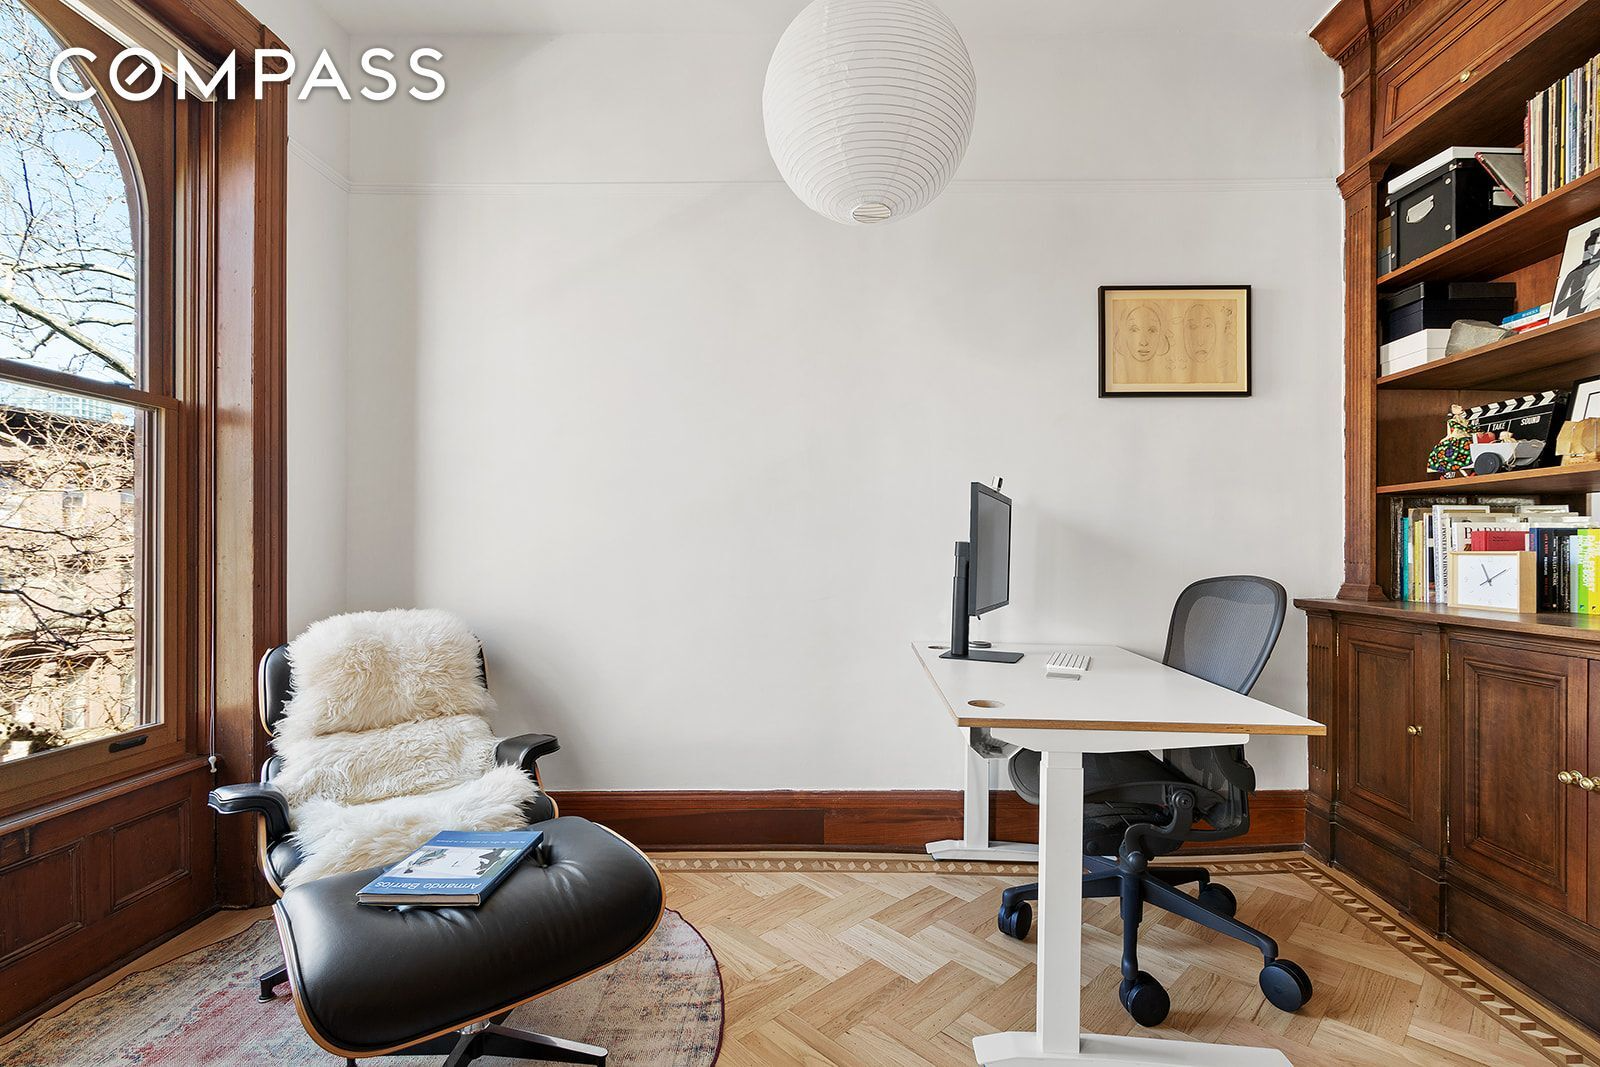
[(1110, 388)]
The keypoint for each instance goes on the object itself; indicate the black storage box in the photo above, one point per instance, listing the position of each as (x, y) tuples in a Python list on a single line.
[(1437, 305), (1448, 201)]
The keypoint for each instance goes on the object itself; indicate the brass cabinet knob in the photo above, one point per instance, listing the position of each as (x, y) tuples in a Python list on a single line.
[(1587, 784), (1466, 75), (1567, 777), (1413, 730)]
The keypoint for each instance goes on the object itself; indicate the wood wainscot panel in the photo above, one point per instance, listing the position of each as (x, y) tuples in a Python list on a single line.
[(86, 884), (41, 901), (149, 852)]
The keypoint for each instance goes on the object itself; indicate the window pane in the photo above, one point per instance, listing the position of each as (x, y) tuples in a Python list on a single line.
[(70, 529), (67, 266)]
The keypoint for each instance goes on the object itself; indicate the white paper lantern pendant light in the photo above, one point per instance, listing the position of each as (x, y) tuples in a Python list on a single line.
[(868, 107)]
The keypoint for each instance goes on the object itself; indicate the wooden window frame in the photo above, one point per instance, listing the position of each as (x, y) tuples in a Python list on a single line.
[(223, 446)]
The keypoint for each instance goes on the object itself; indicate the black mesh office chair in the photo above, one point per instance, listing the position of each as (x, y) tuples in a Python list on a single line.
[(1137, 807)]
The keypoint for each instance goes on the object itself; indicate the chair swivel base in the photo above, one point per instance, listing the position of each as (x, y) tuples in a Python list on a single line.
[(494, 1039)]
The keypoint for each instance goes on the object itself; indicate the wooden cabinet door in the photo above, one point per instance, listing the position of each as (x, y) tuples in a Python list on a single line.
[(1518, 718), (1389, 757)]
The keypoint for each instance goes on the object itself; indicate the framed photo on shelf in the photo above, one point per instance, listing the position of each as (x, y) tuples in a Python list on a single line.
[(1578, 284), (1175, 340), (1585, 400)]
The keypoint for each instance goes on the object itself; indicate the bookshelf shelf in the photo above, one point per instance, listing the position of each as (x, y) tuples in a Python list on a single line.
[(1549, 624), (1535, 231), (1551, 357), (1578, 478)]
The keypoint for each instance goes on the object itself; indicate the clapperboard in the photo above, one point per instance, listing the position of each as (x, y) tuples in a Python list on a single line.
[(1535, 417)]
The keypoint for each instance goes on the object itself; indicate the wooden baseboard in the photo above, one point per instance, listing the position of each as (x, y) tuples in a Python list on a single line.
[(895, 820)]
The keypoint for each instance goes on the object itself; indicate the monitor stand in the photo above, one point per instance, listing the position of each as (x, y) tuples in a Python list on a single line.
[(960, 620), (980, 656)]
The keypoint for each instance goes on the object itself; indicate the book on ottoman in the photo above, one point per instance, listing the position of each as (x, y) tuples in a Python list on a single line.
[(456, 868)]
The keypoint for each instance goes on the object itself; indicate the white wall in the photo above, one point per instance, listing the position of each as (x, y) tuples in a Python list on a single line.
[(692, 459), (318, 221)]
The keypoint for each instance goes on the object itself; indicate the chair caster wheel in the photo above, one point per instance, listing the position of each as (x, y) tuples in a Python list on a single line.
[(1145, 1000), (1220, 899), (1015, 922), (1286, 986)]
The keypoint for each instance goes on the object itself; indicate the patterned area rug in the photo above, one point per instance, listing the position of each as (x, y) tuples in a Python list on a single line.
[(660, 1007)]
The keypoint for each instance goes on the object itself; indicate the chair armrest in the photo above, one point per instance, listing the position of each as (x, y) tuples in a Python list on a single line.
[(524, 750), (265, 800)]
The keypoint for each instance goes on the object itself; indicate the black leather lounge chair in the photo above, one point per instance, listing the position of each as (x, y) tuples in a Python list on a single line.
[(425, 981)]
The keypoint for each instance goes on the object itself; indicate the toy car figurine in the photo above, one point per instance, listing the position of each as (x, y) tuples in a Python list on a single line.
[(1491, 454)]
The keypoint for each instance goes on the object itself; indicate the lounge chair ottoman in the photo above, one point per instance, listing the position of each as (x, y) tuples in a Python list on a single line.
[(372, 981)]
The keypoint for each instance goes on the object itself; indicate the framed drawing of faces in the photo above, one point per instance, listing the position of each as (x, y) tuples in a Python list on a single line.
[(1175, 340)]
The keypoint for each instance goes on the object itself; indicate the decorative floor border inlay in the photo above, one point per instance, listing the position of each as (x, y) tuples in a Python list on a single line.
[(1526, 1023), (734, 862), (843, 864)]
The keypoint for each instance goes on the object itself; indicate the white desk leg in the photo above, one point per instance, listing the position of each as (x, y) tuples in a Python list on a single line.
[(1059, 1039), (1060, 893), (975, 843), (975, 799)]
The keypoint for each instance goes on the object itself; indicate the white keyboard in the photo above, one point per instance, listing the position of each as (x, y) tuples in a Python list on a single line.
[(1067, 664)]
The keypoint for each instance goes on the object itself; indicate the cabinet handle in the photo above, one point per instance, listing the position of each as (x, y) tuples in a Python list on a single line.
[(1587, 784), (1414, 730), (1567, 777)]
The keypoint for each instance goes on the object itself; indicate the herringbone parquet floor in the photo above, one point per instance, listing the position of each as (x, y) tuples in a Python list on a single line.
[(892, 962)]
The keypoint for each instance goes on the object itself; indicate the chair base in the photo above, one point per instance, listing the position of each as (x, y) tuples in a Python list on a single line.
[(270, 980), (494, 1039), (1285, 985)]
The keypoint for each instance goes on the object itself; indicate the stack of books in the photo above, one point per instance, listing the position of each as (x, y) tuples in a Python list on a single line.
[(1560, 145), (1566, 546), (1529, 319)]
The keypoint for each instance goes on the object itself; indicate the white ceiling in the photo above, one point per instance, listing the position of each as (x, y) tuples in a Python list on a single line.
[(771, 16)]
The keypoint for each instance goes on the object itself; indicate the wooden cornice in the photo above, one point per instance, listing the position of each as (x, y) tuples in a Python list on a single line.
[(1353, 23), (212, 27), (1344, 28)]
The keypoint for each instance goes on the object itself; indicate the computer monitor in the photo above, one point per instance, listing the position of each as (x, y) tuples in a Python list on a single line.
[(990, 576), (982, 580)]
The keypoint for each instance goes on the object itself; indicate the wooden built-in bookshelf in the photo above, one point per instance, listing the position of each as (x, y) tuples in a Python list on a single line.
[(1439, 717)]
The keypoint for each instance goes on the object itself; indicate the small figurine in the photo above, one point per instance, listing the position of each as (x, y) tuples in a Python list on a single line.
[(1453, 453)]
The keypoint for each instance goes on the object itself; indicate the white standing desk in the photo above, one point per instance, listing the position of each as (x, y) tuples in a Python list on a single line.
[(1124, 703)]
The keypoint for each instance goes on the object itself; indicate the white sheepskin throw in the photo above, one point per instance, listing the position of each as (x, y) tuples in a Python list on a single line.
[(385, 741)]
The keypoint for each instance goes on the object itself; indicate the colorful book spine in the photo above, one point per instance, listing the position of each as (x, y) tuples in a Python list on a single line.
[(1498, 540), (1560, 140), (1584, 572)]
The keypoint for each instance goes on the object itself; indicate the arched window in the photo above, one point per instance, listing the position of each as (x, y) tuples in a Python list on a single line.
[(68, 269), (80, 425)]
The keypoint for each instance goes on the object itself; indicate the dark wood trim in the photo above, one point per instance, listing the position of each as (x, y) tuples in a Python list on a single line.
[(896, 820), (245, 419), (24, 820)]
